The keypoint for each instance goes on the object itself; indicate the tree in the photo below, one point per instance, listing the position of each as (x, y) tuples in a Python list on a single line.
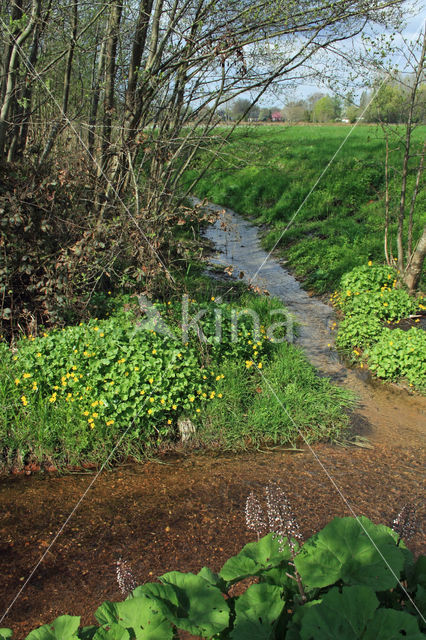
[(411, 251), (324, 110)]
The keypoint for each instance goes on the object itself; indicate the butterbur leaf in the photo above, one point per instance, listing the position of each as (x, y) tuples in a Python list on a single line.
[(6, 634), (143, 615), (388, 624), (111, 631), (212, 578), (203, 609), (339, 615), (254, 558), (257, 612), (63, 628), (355, 551)]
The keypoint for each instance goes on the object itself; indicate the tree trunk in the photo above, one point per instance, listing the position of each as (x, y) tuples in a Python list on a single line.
[(414, 271)]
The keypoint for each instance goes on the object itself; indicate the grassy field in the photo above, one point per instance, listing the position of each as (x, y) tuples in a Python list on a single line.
[(272, 173)]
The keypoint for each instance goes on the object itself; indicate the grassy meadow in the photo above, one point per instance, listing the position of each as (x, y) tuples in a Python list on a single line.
[(271, 173)]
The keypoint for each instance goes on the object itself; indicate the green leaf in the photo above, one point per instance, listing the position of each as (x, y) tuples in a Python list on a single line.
[(355, 551), (203, 609), (253, 559), (388, 624), (144, 615), (63, 628), (87, 633), (212, 578), (342, 616), (6, 634), (112, 631), (257, 612)]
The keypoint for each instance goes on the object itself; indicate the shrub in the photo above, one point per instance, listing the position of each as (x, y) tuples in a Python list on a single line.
[(358, 331), (368, 278), (400, 354)]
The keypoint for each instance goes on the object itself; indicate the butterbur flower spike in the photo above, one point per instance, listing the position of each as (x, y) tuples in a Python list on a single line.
[(125, 578), (405, 524), (280, 515), (255, 517)]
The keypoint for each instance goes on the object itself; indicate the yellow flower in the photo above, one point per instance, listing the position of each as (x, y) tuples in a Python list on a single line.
[(74, 368), (136, 368), (95, 403), (109, 423), (154, 351), (24, 401), (34, 386), (385, 304), (149, 411), (212, 298), (39, 355), (96, 329), (27, 375), (259, 366), (219, 395), (204, 377), (85, 413), (109, 293), (90, 420), (169, 421), (151, 380), (212, 395), (52, 398), (204, 395), (174, 407), (142, 392), (348, 293), (95, 415), (112, 382), (191, 398), (17, 381), (198, 410), (217, 377), (249, 363), (179, 355), (369, 263), (162, 401), (390, 342), (151, 399)]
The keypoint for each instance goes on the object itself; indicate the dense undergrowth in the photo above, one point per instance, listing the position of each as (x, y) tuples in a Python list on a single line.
[(353, 580), (268, 172), (374, 307), (118, 386)]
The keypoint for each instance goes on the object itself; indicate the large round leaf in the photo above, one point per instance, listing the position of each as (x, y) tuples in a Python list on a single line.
[(203, 610), (342, 616), (142, 615), (355, 551), (63, 628), (255, 558), (257, 612), (388, 624)]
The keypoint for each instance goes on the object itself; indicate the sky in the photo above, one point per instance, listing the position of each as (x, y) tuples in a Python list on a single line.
[(414, 24)]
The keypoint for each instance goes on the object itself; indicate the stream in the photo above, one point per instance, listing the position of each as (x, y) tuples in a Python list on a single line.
[(61, 536), (385, 412)]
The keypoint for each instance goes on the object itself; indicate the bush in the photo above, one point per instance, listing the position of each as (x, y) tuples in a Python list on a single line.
[(358, 331), (344, 582), (400, 354)]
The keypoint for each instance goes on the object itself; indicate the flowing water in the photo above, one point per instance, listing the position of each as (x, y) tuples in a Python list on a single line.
[(385, 413)]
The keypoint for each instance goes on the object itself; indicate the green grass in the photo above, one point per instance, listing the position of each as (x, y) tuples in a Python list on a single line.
[(266, 172), (75, 395)]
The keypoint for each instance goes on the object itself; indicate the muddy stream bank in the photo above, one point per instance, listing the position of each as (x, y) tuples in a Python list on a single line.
[(186, 510)]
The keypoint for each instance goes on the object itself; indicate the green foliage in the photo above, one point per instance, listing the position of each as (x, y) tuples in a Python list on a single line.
[(350, 587), (370, 299), (400, 354), (122, 383), (358, 331)]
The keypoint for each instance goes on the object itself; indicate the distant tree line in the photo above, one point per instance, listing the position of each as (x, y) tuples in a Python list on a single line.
[(387, 101)]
